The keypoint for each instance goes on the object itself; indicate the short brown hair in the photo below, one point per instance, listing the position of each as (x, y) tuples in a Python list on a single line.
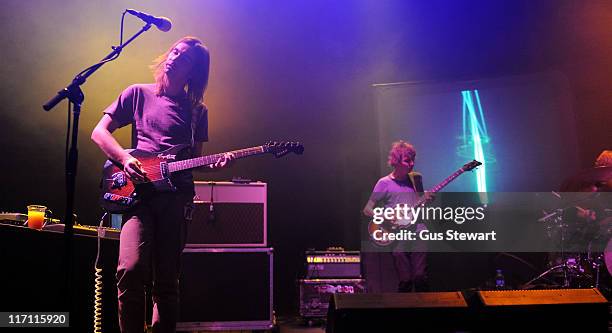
[(399, 150)]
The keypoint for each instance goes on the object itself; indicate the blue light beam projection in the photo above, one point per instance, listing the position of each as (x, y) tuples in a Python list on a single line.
[(475, 138)]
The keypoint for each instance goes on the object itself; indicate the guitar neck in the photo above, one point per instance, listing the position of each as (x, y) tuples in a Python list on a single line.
[(446, 181), (212, 159), (442, 184)]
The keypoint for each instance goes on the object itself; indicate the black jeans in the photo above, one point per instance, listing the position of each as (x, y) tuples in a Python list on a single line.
[(152, 240)]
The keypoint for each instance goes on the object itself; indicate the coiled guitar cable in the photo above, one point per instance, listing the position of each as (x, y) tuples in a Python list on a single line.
[(97, 324)]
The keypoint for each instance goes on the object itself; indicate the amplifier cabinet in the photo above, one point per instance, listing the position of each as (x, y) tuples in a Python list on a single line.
[(333, 264), (226, 289), (315, 294), (238, 217)]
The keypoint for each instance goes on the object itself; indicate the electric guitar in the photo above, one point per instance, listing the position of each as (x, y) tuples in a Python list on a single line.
[(404, 223), (119, 192)]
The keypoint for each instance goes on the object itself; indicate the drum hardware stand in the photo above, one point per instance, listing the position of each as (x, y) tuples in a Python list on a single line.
[(596, 264), (598, 267), (565, 267), (557, 218)]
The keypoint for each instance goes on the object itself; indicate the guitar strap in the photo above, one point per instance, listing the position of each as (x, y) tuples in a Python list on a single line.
[(417, 181)]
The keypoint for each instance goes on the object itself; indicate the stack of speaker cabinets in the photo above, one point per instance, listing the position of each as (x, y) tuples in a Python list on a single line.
[(334, 271), (226, 279)]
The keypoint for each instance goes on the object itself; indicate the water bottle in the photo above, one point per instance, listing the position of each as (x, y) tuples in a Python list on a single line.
[(500, 281)]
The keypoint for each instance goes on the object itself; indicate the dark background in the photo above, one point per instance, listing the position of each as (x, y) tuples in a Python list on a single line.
[(290, 70)]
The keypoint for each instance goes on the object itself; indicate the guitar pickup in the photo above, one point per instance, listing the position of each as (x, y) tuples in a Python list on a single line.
[(119, 199), (163, 167)]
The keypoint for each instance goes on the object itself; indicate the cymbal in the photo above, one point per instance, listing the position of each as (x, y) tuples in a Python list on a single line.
[(598, 179)]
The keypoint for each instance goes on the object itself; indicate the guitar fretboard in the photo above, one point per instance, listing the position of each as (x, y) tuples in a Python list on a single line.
[(446, 181), (212, 159), (442, 184)]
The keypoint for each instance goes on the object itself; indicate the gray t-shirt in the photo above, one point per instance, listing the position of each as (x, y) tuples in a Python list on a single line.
[(389, 192), (159, 123)]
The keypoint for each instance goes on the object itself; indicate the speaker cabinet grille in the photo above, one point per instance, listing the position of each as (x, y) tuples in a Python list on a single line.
[(547, 296), (234, 225), (237, 219), (559, 310)]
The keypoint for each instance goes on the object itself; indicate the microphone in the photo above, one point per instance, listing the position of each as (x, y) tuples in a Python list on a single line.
[(162, 23)]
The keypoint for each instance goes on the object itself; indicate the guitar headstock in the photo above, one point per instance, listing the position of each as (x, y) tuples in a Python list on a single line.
[(471, 165), (283, 148)]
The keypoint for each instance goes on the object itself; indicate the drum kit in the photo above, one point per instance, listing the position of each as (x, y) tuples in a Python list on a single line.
[(592, 265)]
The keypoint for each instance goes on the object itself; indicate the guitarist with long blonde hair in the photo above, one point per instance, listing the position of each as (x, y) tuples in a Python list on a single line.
[(163, 114)]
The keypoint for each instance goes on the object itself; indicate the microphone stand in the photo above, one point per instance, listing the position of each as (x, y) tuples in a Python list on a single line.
[(75, 97)]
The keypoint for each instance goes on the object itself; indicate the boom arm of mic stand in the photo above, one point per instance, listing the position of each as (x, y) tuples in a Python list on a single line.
[(75, 96), (81, 78)]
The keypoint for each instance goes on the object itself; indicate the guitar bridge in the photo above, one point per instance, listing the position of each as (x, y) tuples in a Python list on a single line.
[(163, 167), (164, 184)]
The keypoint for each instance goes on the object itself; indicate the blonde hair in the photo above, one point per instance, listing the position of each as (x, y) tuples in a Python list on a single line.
[(196, 86), (399, 150)]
